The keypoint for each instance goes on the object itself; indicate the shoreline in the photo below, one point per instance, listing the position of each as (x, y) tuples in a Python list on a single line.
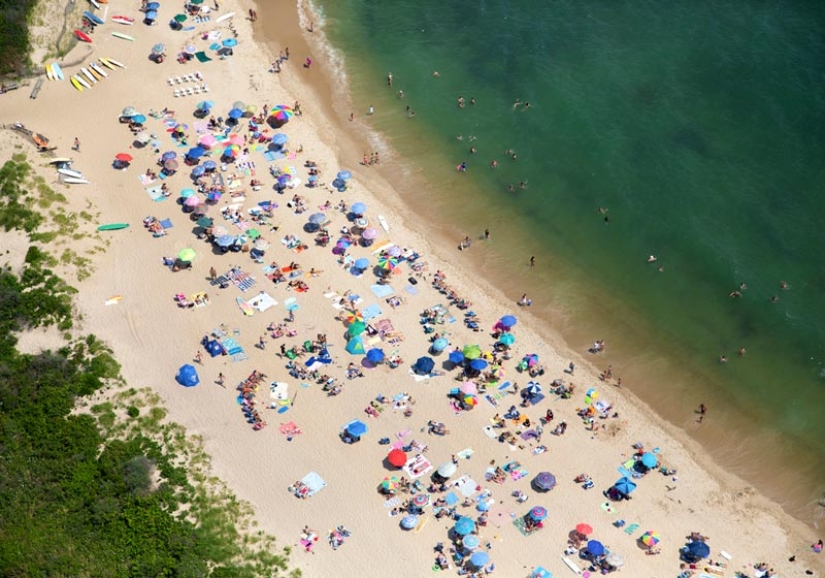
[(572, 330), (215, 418)]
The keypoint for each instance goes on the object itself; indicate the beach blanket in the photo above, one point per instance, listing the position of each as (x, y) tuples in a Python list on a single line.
[(262, 301), (371, 312), (382, 290), (417, 466), (232, 347), (279, 390), (411, 290), (202, 57), (313, 481), (145, 179), (520, 524), (273, 156), (516, 470), (467, 486), (242, 281), (290, 429), (155, 193), (166, 223), (626, 469)]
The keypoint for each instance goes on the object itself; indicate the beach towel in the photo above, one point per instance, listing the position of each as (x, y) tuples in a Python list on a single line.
[(156, 194), (490, 432), (273, 156), (626, 469), (262, 301), (146, 179), (467, 486), (608, 508), (411, 290), (382, 290), (290, 429), (166, 223), (520, 524), (202, 57), (393, 502), (631, 529), (465, 453), (291, 304), (371, 312)]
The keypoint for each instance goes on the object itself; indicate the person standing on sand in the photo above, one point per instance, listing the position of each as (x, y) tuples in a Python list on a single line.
[(76, 146), (199, 357), (221, 380)]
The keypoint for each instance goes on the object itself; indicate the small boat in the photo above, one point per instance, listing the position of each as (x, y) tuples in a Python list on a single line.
[(123, 36), (82, 36), (123, 20), (113, 227), (92, 18)]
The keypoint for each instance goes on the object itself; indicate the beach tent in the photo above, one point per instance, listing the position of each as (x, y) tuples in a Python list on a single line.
[(187, 376), (423, 366), (214, 348), (355, 346)]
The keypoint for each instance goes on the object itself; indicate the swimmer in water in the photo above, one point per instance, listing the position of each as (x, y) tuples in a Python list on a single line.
[(436, 74), (651, 259), (517, 103), (389, 79), (784, 286), (511, 188), (473, 150), (459, 137)]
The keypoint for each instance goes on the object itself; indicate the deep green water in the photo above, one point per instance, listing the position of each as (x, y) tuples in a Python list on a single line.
[(699, 125)]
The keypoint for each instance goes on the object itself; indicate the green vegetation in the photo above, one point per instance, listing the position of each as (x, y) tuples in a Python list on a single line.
[(93, 481), (14, 35)]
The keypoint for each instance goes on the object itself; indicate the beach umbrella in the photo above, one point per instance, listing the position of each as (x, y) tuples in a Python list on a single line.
[(357, 428), (283, 180), (595, 547), (210, 165), (440, 344), (153, 6), (650, 539), (214, 197), (470, 400), (421, 500), (394, 251), (139, 119), (362, 263), (357, 328), (205, 105), (355, 346), (261, 245), (479, 559), (478, 364), (169, 155), (129, 111), (699, 549), (281, 112), (143, 137), (472, 352), (397, 458), (409, 522), (204, 222), (470, 541), (447, 469), (158, 48), (388, 263), (224, 240), (507, 339), (649, 460), (464, 526), (124, 157), (250, 109), (196, 2), (236, 139), (171, 165), (468, 387), (456, 357), (192, 201), (389, 484), (279, 139), (317, 218), (591, 395), (219, 231), (180, 18), (343, 176), (625, 486), (423, 366), (190, 49), (532, 389), (355, 316), (230, 42), (207, 141), (584, 529), (198, 171), (195, 152), (370, 233), (253, 233), (359, 208), (187, 376), (375, 355), (232, 151), (544, 481), (538, 513), (508, 321), (186, 193), (187, 255), (614, 559), (150, 15)]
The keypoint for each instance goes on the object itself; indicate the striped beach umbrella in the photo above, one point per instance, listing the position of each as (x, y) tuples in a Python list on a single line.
[(650, 539)]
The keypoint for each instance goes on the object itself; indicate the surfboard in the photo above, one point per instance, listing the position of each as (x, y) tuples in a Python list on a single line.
[(245, 307), (107, 63), (95, 4), (82, 81), (49, 73), (113, 227), (82, 36), (75, 181), (224, 17), (123, 20), (115, 62), (383, 222), (95, 73), (123, 36), (61, 161), (88, 75), (99, 69), (76, 84), (70, 173), (57, 71), (572, 565), (92, 18)]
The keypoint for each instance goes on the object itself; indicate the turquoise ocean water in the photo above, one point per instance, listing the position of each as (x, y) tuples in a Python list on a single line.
[(699, 126)]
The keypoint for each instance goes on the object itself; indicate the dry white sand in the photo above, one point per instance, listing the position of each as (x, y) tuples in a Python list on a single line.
[(152, 337)]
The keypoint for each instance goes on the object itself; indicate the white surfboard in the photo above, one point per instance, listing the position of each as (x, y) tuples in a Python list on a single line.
[(225, 17), (115, 62), (99, 69), (61, 161), (383, 222), (75, 181), (82, 81), (58, 72), (88, 75), (70, 173)]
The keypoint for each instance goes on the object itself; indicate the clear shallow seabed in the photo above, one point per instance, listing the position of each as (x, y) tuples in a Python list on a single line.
[(699, 125)]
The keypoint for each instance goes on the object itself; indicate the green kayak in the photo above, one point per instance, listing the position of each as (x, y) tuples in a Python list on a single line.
[(113, 227)]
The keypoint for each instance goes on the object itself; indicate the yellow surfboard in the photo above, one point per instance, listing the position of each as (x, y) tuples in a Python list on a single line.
[(76, 84), (49, 72)]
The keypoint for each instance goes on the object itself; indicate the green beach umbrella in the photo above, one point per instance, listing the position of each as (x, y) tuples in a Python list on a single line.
[(186, 193), (196, 2), (356, 328), (180, 17), (186, 254), (472, 352), (253, 233), (204, 222)]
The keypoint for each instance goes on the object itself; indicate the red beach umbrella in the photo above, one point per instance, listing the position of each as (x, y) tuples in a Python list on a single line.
[(397, 458), (124, 157), (584, 529)]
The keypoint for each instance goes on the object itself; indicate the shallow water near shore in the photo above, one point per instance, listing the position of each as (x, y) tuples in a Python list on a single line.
[(695, 127)]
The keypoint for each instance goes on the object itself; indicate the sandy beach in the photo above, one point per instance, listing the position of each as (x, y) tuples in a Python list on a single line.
[(130, 302)]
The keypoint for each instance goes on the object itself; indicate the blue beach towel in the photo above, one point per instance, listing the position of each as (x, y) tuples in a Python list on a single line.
[(382, 290), (371, 312)]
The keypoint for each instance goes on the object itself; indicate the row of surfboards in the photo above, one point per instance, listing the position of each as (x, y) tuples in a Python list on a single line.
[(67, 173), (87, 77)]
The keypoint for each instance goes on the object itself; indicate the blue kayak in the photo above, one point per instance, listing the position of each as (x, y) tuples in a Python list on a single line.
[(92, 18)]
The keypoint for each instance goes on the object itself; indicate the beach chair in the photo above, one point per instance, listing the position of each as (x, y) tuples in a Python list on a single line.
[(177, 93), (170, 80)]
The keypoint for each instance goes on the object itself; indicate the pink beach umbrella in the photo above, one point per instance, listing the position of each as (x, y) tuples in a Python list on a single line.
[(192, 201), (207, 141), (236, 139), (370, 233), (469, 388), (219, 231)]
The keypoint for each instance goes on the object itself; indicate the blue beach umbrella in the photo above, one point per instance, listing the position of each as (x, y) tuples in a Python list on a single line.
[(507, 339), (357, 428), (139, 118), (595, 547), (456, 357), (699, 549), (423, 366), (317, 218), (344, 176), (479, 559), (280, 139), (482, 506), (375, 355), (225, 241), (205, 105), (649, 460), (153, 6), (235, 113), (508, 321), (409, 522), (169, 155), (625, 486), (533, 388), (196, 152), (471, 542), (440, 344), (230, 42), (210, 165), (151, 15), (187, 376), (198, 171), (362, 263), (464, 526), (478, 364), (359, 208)]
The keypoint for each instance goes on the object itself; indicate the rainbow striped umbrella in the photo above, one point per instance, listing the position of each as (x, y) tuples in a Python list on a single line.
[(232, 151), (650, 539), (388, 263), (282, 112)]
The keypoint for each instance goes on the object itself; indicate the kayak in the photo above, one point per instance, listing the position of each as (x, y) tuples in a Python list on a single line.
[(92, 18), (82, 36), (123, 20), (113, 227)]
